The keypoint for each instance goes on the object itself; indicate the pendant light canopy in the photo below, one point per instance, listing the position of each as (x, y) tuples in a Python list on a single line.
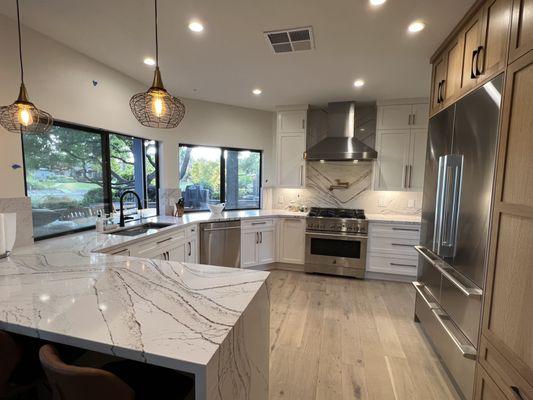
[(22, 116), (156, 108)]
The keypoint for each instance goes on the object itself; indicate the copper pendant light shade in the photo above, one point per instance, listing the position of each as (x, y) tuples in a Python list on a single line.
[(156, 108), (22, 116)]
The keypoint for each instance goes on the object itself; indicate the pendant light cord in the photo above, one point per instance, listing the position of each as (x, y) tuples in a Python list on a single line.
[(156, 37), (20, 44)]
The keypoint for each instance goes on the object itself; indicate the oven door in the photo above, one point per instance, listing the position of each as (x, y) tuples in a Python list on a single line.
[(331, 252)]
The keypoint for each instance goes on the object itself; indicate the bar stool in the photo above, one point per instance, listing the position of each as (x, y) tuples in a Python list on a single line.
[(121, 380)]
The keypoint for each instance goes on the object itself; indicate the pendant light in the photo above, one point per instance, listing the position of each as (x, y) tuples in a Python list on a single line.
[(22, 116), (157, 108)]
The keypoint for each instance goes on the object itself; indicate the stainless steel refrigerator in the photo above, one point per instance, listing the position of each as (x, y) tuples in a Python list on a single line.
[(456, 209)]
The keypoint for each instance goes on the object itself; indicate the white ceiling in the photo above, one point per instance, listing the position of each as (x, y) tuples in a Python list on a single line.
[(231, 57)]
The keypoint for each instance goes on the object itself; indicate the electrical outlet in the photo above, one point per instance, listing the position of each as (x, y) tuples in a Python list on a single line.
[(281, 199), (410, 204), (382, 202)]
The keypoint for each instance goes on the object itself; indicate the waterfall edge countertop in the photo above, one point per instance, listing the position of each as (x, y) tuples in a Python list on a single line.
[(171, 314)]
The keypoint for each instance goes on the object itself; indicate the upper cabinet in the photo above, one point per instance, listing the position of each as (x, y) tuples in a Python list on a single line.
[(475, 54), (403, 116), (292, 121), (521, 29), (401, 145), (290, 147)]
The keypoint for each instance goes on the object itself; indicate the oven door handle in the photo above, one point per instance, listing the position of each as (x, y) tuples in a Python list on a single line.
[(337, 235)]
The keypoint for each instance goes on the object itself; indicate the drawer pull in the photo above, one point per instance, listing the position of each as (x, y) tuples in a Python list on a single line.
[(516, 393), (259, 223), (405, 229), (401, 265), (431, 304), (165, 240), (402, 244), (440, 266)]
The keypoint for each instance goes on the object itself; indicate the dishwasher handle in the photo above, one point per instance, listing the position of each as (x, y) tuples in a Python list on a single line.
[(220, 229)]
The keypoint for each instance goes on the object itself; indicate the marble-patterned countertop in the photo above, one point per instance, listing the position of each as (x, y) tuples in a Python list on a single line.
[(166, 313), (392, 218)]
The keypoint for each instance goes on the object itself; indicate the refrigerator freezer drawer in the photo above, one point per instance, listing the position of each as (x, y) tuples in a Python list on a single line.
[(452, 347), (464, 310)]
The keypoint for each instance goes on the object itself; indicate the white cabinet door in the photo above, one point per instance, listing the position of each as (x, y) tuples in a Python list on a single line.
[(418, 161), (290, 162), (249, 242), (393, 159), (266, 249), (177, 253), (420, 117), (394, 116), (291, 242), (292, 121)]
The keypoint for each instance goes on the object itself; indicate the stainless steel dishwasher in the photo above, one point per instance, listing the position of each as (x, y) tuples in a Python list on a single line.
[(220, 244)]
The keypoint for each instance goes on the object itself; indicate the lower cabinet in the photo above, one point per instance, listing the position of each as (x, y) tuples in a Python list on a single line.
[(180, 245), (486, 388), (258, 244), (391, 249), (291, 240)]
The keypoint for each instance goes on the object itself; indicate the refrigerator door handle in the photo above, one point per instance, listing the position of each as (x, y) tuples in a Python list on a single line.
[(443, 268), (439, 205), (453, 169), (466, 349)]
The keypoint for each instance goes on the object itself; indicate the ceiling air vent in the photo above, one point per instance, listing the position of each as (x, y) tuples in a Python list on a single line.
[(290, 40)]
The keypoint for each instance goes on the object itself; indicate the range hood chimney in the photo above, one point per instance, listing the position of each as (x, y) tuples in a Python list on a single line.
[(340, 143)]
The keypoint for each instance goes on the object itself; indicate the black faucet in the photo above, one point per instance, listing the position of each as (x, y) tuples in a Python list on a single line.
[(139, 206)]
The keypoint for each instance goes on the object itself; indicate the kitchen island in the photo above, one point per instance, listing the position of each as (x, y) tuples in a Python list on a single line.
[(209, 321)]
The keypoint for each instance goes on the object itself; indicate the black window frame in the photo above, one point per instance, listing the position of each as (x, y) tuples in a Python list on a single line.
[(223, 174), (106, 170)]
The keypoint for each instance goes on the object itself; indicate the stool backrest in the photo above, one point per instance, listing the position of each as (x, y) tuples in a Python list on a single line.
[(69, 382)]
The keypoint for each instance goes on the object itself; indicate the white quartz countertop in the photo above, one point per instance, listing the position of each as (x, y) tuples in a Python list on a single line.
[(166, 313), (403, 218)]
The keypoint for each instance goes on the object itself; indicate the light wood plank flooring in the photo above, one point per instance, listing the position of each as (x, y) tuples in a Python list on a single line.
[(336, 338)]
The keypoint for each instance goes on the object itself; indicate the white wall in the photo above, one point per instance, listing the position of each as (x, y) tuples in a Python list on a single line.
[(59, 81)]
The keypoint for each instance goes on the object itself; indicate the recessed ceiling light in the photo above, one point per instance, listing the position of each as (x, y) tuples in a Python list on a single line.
[(257, 92), (359, 83), (196, 26), (149, 61), (377, 3), (416, 26)]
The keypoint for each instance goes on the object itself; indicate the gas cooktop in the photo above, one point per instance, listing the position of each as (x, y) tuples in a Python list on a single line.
[(344, 213), (339, 220)]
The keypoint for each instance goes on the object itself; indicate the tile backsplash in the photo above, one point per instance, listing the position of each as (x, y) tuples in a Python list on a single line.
[(359, 194)]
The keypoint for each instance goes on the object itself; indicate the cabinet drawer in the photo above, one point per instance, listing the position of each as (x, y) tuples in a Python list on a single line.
[(504, 374), (161, 241), (392, 265), (393, 245), (486, 388), (192, 231), (405, 231), (257, 223)]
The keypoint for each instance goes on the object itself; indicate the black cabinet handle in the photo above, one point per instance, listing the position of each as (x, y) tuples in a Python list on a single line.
[(479, 71), (442, 90), (473, 66), (516, 393), (438, 92)]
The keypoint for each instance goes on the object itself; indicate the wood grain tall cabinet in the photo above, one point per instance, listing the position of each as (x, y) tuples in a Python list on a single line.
[(496, 36)]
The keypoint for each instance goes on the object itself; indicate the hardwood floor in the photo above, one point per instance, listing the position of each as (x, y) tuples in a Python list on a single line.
[(337, 338)]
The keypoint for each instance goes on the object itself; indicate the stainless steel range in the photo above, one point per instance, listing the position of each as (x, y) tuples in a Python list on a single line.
[(336, 241)]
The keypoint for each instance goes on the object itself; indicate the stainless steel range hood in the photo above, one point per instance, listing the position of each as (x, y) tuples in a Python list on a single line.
[(340, 143)]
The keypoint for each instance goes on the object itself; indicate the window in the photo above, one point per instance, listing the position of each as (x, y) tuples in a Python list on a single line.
[(74, 172), (211, 175)]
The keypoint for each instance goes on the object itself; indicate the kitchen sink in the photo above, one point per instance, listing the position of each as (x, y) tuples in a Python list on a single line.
[(140, 229)]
